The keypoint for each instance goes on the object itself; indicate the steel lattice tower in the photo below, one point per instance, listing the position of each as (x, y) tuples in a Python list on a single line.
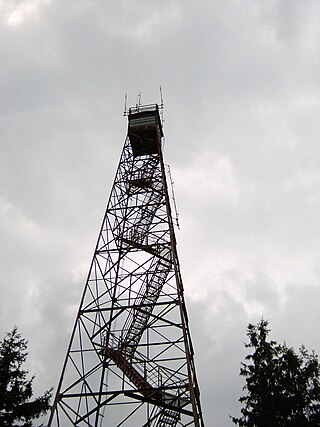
[(130, 358)]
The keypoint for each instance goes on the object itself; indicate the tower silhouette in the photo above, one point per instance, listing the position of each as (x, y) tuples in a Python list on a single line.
[(130, 358)]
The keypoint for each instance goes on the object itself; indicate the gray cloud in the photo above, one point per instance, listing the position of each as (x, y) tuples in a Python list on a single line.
[(241, 92)]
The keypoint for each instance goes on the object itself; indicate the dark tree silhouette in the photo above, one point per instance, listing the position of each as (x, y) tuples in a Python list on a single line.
[(16, 408), (282, 387)]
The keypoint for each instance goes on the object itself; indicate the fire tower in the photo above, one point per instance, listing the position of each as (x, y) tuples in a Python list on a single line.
[(130, 358)]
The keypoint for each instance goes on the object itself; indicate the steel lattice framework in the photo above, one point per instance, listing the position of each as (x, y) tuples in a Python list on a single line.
[(130, 357)]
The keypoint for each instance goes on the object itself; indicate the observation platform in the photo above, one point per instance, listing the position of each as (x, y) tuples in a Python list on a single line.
[(144, 129)]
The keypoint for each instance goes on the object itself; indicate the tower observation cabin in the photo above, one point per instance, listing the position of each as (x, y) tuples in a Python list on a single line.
[(144, 130)]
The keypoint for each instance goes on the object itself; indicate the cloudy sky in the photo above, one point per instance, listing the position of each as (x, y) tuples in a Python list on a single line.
[(240, 81)]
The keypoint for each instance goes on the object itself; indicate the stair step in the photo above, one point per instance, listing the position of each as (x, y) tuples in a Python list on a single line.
[(168, 418)]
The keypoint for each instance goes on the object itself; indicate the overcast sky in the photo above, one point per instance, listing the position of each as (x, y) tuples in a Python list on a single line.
[(240, 81)]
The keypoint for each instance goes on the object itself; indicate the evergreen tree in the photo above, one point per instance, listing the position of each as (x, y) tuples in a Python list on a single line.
[(283, 387), (16, 408)]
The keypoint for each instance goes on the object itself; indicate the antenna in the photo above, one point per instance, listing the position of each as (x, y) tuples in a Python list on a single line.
[(173, 197), (139, 99), (161, 98), (161, 106), (125, 104)]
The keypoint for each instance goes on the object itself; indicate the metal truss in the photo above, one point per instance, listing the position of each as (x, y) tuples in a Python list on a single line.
[(130, 357)]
